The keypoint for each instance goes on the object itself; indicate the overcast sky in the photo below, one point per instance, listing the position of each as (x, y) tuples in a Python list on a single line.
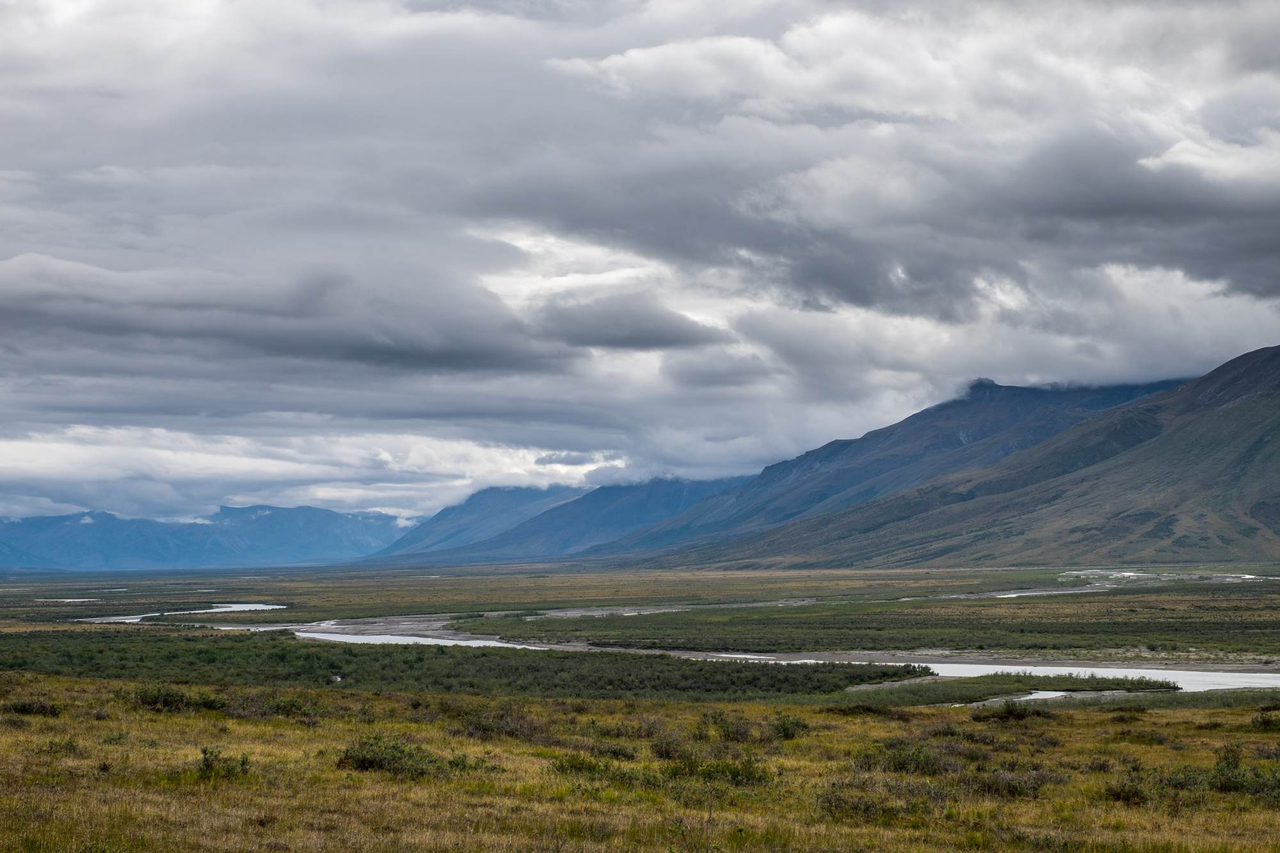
[(365, 254)]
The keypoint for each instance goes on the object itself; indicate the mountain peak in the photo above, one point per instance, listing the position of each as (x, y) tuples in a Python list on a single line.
[(1247, 376)]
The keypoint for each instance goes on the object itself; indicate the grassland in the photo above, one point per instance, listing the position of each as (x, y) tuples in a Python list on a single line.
[(312, 595), (162, 655), (1179, 621), (106, 765), (157, 737), (954, 691)]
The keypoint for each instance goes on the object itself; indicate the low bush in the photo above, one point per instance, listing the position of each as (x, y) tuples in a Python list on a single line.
[(863, 709), (1265, 721), (1132, 789), (164, 698), (1100, 764), (261, 704), (743, 771), (213, 765), (900, 756), (787, 727), (397, 756), (671, 747), (616, 751), (577, 764), (844, 802), (734, 728), (488, 720), (63, 746), (1009, 711), (34, 706), (1011, 784)]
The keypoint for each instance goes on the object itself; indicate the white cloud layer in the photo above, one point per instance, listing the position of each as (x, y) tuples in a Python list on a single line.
[(364, 254)]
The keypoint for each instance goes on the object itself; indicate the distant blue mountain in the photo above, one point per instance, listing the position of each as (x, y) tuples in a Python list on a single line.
[(571, 527), (482, 516), (233, 536)]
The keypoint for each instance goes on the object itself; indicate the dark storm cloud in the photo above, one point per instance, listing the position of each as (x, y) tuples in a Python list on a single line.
[(382, 254), (624, 321), (708, 369), (319, 316)]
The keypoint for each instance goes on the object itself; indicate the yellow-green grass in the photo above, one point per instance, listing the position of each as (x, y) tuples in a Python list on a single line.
[(312, 595), (1188, 621), (171, 655), (107, 773)]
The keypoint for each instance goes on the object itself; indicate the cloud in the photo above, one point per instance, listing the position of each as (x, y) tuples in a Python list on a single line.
[(624, 321), (321, 315), (248, 249)]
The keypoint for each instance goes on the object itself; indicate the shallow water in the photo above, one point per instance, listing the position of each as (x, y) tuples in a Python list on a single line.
[(1041, 694), (393, 639), (217, 608), (1191, 681), (432, 631)]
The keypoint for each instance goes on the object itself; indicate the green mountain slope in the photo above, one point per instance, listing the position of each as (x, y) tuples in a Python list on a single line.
[(482, 516), (982, 427), (1192, 474), (601, 515)]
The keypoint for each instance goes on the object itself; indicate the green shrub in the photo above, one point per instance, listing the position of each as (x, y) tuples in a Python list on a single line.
[(577, 764), (488, 720), (733, 728), (214, 765), (164, 698), (63, 746), (671, 747), (396, 756), (863, 709), (34, 706), (617, 751), (1011, 784), (1265, 722), (738, 772), (1009, 711), (259, 705), (915, 757), (852, 803), (787, 727), (1132, 790)]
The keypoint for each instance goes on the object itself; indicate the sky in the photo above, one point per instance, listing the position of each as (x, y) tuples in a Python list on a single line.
[(365, 254)]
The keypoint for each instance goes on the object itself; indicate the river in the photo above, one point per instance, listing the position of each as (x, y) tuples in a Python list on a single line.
[(432, 630)]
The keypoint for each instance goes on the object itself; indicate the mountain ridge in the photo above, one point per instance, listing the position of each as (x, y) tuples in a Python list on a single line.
[(483, 515), (573, 527), (987, 423), (257, 535), (1190, 474)]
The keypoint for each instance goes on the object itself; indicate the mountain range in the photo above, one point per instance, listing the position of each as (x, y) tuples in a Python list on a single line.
[(231, 537), (1191, 474), (983, 426), (1173, 471), (572, 527), (482, 516)]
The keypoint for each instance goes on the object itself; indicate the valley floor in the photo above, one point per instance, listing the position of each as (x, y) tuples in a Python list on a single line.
[(165, 737), (99, 765)]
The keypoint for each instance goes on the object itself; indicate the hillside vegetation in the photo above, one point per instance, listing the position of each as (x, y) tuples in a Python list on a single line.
[(1192, 474), (120, 766)]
